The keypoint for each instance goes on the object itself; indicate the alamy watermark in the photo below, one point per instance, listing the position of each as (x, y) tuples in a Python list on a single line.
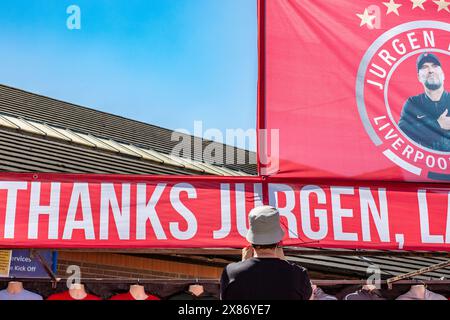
[(374, 273), (375, 11), (220, 150), (75, 276), (73, 21)]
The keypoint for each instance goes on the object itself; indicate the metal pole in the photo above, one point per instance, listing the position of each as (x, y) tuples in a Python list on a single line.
[(441, 265)]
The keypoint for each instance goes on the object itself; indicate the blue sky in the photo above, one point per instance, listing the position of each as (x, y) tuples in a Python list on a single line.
[(164, 62)]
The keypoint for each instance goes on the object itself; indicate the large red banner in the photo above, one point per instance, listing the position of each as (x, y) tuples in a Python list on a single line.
[(352, 94), (356, 89), (84, 211)]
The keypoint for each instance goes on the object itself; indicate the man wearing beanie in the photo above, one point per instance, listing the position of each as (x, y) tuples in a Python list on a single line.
[(263, 273), (425, 117)]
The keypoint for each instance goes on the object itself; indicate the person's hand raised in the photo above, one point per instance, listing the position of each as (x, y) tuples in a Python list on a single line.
[(247, 253), (444, 121)]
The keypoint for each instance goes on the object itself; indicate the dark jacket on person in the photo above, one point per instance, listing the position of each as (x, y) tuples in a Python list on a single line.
[(265, 279), (419, 121)]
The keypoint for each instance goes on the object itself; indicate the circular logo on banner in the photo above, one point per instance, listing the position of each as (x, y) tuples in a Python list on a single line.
[(403, 100)]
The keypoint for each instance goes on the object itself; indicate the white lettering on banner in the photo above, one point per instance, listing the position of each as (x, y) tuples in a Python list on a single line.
[(386, 57), (108, 198), (286, 211), (380, 217), (408, 151), (241, 209), (258, 194), (376, 120), (424, 220), (183, 211), (68, 209), (400, 239), (412, 41), (419, 155), (429, 39), (241, 212), (400, 146), (379, 71), (320, 214), (390, 135), (147, 211), (399, 48), (398, 143), (339, 213), (225, 205), (36, 210), (376, 84), (12, 188), (80, 192)]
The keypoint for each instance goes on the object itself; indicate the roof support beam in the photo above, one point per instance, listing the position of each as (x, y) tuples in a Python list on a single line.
[(434, 267)]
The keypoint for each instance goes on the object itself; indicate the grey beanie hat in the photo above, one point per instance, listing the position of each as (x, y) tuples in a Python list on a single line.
[(265, 226)]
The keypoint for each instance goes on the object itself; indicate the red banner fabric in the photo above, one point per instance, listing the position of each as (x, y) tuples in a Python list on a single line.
[(84, 211), (344, 87), (124, 212)]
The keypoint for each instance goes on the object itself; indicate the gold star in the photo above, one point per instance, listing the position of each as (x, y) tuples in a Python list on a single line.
[(418, 3), (442, 5), (392, 7), (366, 19)]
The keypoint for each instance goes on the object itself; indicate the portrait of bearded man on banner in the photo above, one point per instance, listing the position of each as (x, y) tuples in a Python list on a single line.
[(425, 117)]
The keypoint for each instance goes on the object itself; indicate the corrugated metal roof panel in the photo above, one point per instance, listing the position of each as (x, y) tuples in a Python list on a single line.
[(24, 125), (105, 144), (4, 122), (74, 137), (49, 131), (98, 143), (185, 162), (113, 146), (42, 109), (121, 148), (166, 159), (34, 154), (208, 168), (229, 172), (146, 154)]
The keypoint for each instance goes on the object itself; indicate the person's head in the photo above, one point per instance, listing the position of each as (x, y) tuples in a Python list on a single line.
[(430, 71), (265, 232)]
